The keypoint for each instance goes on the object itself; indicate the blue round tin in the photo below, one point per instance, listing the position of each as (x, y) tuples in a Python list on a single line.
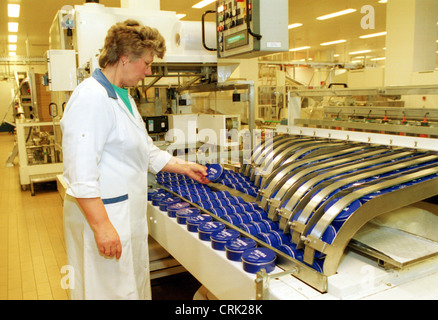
[(172, 209), (258, 258), (249, 228), (183, 214), (270, 224), (340, 219), (235, 200), (211, 196), (194, 222), (268, 238), (218, 211), (328, 236), (206, 229), (163, 204), (253, 216), (260, 226), (262, 214), (207, 204), (219, 239), (222, 194), (236, 209), (231, 218), (220, 202), (243, 218), (154, 191), (282, 237), (156, 198), (215, 172), (193, 197), (235, 248), (291, 250)]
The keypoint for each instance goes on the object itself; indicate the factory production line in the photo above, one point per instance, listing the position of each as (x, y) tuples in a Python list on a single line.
[(348, 207), (353, 212)]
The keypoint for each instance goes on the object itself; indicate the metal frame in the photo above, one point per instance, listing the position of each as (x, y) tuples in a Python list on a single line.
[(390, 140), (314, 206), (285, 263), (293, 183), (369, 210), (27, 171)]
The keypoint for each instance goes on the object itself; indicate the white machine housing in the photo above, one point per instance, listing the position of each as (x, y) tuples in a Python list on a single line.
[(219, 129), (92, 21), (213, 129)]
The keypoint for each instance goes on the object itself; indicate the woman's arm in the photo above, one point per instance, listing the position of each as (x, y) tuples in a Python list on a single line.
[(190, 169), (106, 236)]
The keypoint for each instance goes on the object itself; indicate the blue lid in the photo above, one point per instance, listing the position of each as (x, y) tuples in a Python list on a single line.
[(178, 206), (329, 234), (240, 244), (225, 235), (211, 226), (154, 191), (170, 201), (214, 171), (199, 219), (259, 255), (187, 212), (347, 211), (160, 195)]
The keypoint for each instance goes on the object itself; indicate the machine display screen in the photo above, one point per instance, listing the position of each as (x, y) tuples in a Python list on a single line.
[(236, 40)]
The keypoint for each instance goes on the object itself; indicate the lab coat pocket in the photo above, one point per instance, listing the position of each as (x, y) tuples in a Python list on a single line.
[(118, 213)]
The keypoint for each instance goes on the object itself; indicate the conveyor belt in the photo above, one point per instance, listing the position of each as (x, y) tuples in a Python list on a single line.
[(319, 194), (278, 175), (315, 202), (293, 195), (296, 177), (307, 193), (260, 149), (382, 197), (297, 151)]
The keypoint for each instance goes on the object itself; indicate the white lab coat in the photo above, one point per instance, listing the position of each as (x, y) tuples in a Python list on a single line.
[(107, 153)]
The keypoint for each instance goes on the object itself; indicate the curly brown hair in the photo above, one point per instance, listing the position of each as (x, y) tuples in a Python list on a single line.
[(130, 38)]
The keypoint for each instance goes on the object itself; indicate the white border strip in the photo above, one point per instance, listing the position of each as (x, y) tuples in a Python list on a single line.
[(375, 138)]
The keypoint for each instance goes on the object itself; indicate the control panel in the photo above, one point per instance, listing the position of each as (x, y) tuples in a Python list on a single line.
[(251, 28)]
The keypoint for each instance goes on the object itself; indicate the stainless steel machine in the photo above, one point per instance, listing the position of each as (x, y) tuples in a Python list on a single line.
[(358, 207), (348, 209)]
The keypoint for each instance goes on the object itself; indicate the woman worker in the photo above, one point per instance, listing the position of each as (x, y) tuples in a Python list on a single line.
[(107, 154)]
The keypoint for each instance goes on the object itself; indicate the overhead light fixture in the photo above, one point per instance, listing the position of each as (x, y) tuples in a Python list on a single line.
[(202, 4), (294, 25), (12, 53), (359, 52), (383, 1), (372, 35), (13, 26), (336, 14), (299, 49), (332, 42), (378, 59), (13, 10), (12, 38), (12, 47), (180, 15), (336, 55)]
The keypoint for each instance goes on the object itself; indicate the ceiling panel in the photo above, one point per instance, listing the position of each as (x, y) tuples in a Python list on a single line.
[(36, 18)]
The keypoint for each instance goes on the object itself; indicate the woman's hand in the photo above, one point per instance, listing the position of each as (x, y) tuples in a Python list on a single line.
[(190, 169), (196, 172), (106, 236), (108, 241)]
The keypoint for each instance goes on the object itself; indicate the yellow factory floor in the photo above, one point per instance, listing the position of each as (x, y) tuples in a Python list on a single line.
[(32, 248)]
